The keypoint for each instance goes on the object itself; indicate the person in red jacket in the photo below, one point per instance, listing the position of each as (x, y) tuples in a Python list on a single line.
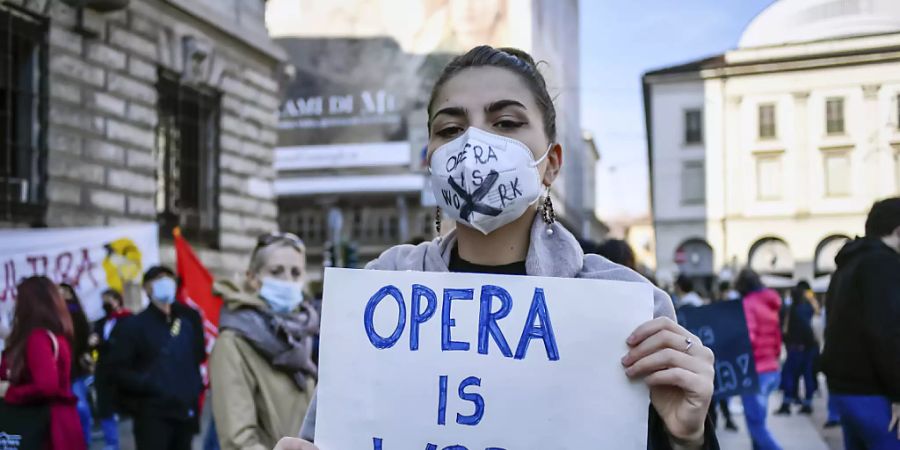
[(761, 307), (38, 359)]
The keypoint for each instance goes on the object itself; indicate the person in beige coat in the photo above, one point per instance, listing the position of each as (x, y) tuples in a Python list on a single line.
[(261, 372)]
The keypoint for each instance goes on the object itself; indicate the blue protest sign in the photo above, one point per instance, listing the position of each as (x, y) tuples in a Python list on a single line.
[(723, 328)]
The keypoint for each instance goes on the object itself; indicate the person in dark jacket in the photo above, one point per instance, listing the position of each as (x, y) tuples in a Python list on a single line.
[(862, 332), (802, 349), (154, 364), (81, 359), (114, 313)]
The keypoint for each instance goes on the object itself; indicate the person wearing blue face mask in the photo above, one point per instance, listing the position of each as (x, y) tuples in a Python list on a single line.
[(154, 366), (262, 373)]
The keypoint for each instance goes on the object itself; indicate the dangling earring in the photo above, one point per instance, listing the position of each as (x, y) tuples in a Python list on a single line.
[(547, 212), (437, 223)]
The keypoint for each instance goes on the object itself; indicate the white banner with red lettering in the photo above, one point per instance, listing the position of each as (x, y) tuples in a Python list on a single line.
[(90, 259)]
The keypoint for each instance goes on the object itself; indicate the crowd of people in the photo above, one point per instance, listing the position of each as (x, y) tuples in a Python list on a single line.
[(263, 373), (849, 333)]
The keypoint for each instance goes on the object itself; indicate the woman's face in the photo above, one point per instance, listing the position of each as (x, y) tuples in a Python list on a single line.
[(65, 294), (495, 100), (284, 263)]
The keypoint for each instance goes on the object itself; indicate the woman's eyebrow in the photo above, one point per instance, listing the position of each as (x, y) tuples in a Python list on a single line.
[(454, 111), (500, 104)]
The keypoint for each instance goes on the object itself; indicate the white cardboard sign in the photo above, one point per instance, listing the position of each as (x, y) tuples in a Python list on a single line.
[(441, 361)]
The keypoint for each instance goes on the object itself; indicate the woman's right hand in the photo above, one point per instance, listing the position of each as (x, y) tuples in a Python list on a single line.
[(290, 443)]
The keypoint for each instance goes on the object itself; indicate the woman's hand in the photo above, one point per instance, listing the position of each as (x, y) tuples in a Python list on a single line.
[(679, 371), (289, 443)]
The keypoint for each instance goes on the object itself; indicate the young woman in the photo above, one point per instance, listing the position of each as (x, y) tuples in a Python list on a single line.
[(261, 369), (38, 357), (81, 358), (802, 350), (761, 307), (497, 98)]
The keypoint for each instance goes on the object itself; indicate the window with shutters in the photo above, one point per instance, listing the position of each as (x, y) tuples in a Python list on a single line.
[(693, 126), (767, 121), (834, 115), (768, 177)]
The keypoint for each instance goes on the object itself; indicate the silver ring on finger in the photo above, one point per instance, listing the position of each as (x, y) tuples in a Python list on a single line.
[(688, 344)]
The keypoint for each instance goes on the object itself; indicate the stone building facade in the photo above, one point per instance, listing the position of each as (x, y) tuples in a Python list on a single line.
[(164, 110)]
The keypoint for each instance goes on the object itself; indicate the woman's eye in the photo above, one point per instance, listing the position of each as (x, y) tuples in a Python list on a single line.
[(295, 272), (508, 124), (449, 132), (278, 270)]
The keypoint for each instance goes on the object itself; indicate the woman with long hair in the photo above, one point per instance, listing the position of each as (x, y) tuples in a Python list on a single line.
[(802, 350), (38, 357), (82, 364)]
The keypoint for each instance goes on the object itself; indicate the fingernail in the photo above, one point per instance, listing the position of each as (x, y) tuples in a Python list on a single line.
[(625, 360), (630, 339)]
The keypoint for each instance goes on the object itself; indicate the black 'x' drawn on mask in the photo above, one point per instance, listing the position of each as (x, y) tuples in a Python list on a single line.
[(472, 202)]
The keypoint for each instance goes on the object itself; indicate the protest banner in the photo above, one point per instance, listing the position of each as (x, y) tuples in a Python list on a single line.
[(723, 328), (416, 360), (90, 259)]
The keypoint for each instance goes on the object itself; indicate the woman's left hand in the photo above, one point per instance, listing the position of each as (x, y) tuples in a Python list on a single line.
[(678, 368)]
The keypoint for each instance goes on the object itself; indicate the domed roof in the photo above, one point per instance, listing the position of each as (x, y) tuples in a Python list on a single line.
[(790, 21)]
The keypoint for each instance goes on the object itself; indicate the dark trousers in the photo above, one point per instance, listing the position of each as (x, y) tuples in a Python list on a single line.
[(157, 433), (722, 404), (800, 363)]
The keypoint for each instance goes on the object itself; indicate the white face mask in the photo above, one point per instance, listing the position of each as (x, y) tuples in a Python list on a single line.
[(282, 296), (484, 180)]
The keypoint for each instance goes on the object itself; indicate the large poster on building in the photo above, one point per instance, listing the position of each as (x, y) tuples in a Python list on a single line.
[(352, 90), (89, 259)]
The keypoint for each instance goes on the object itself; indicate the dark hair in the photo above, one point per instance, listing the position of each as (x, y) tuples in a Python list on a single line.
[(617, 251), (513, 59), (684, 283), (884, 217), (724, 286), (747, 281), (114, 294), (38, 306), (68, 287), (798, 295), (157, 271)]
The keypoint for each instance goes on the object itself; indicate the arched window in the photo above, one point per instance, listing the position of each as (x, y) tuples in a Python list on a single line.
[(772, 256), (694, 258), (825, 253)]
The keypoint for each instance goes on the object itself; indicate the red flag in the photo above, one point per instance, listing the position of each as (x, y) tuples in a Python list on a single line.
[(196, 287), (196, 292)]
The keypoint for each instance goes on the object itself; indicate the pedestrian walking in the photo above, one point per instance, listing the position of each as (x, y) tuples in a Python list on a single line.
[(497, 98), (38, 362), (802, 350), (862, 333), (114, 312), (261, 370), (154, 364), (82, 364), (761, 307)]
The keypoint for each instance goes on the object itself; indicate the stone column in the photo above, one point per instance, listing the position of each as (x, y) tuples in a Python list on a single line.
[(801, 152)]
